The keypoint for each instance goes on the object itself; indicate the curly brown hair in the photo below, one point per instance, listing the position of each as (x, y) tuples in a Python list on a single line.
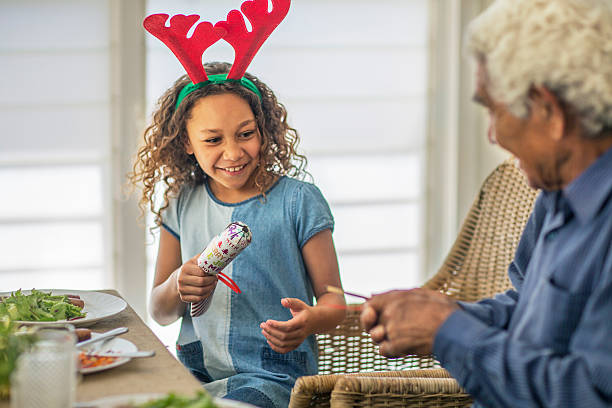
[(163, 158)]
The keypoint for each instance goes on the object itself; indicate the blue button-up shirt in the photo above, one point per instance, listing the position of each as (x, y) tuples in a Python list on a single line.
[(549, 342)]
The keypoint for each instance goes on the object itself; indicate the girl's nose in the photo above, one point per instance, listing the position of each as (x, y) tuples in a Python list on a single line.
[(232, 151)]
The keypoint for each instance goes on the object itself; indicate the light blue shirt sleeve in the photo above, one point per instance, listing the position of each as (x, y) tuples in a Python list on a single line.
[(311, 212), (170, 218)]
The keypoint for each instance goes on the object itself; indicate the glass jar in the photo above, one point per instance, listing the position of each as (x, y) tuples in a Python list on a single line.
[(46, 376)]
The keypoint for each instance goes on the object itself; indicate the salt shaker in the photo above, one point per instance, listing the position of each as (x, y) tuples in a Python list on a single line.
[(46, 376)]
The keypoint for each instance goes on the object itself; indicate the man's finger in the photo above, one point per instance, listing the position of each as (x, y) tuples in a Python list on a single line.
[(395, 348), (378, 333), (387, 349), (368, 317)]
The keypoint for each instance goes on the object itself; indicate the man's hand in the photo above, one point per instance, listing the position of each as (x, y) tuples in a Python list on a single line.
[(192, 283), (286, 336), (406, 321)]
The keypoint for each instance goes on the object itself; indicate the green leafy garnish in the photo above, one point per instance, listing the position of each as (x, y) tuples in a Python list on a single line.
[(13, 342), (39, 306), (201, 400)]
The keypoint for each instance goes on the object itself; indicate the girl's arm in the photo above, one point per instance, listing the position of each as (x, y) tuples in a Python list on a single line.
[(166, 305), (174, 284), (322, 265)]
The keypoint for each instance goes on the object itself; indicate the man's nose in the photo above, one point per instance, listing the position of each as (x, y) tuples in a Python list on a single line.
[(491, 132)]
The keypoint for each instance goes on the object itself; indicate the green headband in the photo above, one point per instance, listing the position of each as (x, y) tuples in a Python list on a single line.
[(215, 79)]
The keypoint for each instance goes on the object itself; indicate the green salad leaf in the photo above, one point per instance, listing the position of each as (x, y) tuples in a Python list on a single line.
[(13, 342), (39, 306), (201, 400)]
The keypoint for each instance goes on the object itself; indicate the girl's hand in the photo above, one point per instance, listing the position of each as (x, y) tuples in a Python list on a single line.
[(284, 337), (192, 283)]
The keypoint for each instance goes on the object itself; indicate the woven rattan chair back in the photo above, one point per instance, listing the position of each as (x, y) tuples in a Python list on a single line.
[(475, 268), (349, 349)]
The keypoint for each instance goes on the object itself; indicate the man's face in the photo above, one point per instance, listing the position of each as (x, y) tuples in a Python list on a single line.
[(527, 139)]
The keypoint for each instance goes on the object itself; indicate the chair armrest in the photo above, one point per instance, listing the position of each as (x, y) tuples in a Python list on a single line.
[(312, 390), (358, 391), (315, 390)]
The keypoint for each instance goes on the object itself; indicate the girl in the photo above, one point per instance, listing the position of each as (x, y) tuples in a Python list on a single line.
[(224, 153)]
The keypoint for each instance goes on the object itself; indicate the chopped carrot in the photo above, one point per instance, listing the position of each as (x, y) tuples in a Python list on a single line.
[(94, 361)]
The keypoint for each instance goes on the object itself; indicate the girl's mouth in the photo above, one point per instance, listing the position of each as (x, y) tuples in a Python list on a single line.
[(233, 170)]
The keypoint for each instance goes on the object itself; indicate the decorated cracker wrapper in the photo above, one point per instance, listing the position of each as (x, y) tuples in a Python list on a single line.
[(222, 250)]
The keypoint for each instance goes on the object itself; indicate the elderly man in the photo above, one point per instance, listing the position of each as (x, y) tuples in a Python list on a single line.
[(545, 77)]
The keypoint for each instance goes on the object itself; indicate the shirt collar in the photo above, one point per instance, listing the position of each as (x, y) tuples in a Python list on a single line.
[(588, 192)]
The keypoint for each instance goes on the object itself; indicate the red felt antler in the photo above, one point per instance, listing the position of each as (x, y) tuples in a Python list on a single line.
[(189, 51), (245, 43)]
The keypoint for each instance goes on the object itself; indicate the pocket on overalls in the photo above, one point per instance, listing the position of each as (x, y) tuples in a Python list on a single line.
[(192, 357), (293, 363)]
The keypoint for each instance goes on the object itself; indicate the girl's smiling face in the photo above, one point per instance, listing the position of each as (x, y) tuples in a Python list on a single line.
[(225, 140)]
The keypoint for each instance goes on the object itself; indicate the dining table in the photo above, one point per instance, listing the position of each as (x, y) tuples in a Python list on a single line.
[(161, 373)]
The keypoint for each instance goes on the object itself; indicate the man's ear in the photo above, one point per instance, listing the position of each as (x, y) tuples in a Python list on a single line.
[(546, 108)]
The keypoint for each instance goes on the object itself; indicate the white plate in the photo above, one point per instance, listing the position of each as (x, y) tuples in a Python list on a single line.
[(115, 344), (122, 400), (98, 306)]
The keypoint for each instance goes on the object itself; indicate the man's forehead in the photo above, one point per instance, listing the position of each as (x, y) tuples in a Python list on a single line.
[(481, 75), (480, 93)]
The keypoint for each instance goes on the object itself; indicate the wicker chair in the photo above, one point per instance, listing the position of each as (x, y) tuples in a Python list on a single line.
[(420, 391), (475, 268)]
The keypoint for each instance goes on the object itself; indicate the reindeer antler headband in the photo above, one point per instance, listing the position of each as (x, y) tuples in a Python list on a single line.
[(246, 43)]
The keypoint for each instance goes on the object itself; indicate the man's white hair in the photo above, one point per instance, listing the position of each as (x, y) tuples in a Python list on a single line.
[(564, 45)]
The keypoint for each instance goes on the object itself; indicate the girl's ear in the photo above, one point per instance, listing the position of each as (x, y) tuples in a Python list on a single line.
[(188, 148)]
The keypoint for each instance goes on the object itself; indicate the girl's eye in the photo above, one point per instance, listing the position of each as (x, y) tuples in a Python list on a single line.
[(247, 134), (212, 140)]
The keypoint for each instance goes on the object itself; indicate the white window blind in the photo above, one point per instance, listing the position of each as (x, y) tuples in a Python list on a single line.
[(54, 158), (353, 76)]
